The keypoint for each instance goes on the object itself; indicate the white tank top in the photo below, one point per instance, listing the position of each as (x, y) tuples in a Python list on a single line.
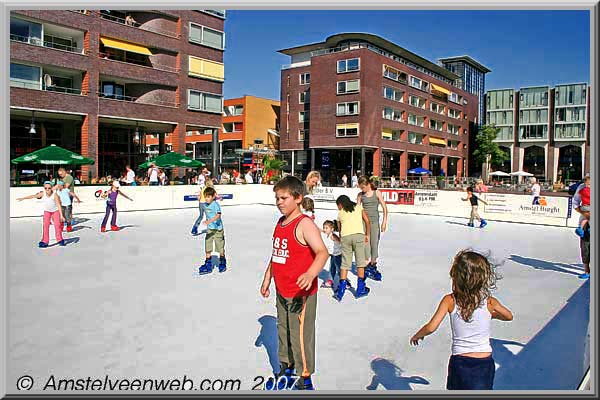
[(333, 247), (474, 336), (49, 203)]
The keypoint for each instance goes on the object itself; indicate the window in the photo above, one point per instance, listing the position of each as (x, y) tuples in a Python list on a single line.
[(453, 97), (303, 116), (437, 108), (392, 114), (207, 102), (416, 120), (207, 69), (436, 125), (229, 111), (534, 132), (304, 97), (25, 76), (345, 87), (419, 83), (346, 130), (25, 31), (453, 144), (390, 134), (415, 138), (302, 134), (416, 101), (351, 108), (305, 78), (217, 13), (112, 90), (453, 113), (207, 36), (393, 94), (569, 131), (453, 129), (352, 64), (394, 74)]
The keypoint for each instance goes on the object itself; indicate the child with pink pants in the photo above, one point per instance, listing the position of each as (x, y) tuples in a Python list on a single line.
[(52, 212)]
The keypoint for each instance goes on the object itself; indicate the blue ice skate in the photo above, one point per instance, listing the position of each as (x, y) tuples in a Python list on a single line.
[(341, 289), (222, 264), (579, 232), (371, 272), (206, 268), (361, 289), (284, 379), (42, 245), (483, 223), (195, 230), (62, 243), (304, 383)]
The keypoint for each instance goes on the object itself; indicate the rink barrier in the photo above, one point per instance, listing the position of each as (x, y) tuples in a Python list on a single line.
[(553, 210)]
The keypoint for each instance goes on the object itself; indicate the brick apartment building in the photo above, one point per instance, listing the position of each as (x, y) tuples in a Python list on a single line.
[(357, 102), (544, 131), (99, 82), (250, 128)]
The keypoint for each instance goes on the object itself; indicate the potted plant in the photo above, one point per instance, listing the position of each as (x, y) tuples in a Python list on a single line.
[(271, 168)]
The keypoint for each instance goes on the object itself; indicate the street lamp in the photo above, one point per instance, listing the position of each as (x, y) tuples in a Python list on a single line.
[(32, 125)]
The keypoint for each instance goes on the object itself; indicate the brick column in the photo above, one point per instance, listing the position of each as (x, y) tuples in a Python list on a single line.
[(89, 146), (459, 167), (178, 145), (425, 161), (403, 165), (377, 162), (444, 165)]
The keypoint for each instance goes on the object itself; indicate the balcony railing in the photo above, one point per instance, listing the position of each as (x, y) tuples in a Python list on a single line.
[(138, 100), (133, 23), (45, 43), (38, 86), (129, 60)]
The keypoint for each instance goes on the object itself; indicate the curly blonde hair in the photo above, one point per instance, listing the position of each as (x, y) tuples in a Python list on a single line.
[(473, 278)]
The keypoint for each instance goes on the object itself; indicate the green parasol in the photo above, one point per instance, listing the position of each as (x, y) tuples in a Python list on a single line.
[(173, 160), (53, 155)]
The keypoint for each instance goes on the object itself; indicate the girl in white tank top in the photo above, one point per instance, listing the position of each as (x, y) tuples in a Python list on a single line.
[(471, 309), (52, 212)]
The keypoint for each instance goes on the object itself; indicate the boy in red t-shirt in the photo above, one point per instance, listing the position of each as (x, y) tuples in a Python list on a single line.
[(298, 256)]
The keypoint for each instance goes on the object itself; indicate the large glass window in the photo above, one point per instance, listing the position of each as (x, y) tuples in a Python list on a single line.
[(571, 94), (207, 36), (393, 94), (418, 83), (345, 87), (25, 76), (534, 131), (533, 97), (569, 131), (415, 138), (113, 90), (416, 101), (25, 31), (351, 108), (305, 78), (352, 64), (345, 130), (393, 114), (205, 102)]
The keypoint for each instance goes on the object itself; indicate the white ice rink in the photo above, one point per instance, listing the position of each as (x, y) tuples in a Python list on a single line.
[(130, 304)]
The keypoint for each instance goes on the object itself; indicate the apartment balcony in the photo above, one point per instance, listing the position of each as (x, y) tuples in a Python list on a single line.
[(129, 64), (159, 23), (46, 35), (46, 78), (569, 132), (130, 91)]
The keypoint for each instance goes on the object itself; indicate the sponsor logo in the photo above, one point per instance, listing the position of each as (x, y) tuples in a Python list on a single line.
[(404, 197)]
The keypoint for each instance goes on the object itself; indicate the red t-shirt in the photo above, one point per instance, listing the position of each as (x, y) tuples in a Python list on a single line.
[(290, 259), (584, 194)]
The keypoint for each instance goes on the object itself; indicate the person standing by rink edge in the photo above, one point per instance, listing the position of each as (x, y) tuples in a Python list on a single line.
[(297, 257), (471, 309), (66, 202), (370, 199), (313, 179), (52, 212)]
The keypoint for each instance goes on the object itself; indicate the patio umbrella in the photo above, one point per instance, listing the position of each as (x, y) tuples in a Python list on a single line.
[(173, 160), (53, 155), (420, 171), (499, 173), (520, 173)]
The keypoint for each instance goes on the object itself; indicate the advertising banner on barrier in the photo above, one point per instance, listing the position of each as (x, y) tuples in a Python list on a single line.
[(549, 207)]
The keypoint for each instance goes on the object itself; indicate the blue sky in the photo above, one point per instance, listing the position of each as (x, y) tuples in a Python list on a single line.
[(522, 48)]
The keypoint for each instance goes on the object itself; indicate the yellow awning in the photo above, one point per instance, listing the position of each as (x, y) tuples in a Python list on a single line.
[(434, 140), (440, 89), (117, 44), (386, 133), (206, 68), (346, 126)]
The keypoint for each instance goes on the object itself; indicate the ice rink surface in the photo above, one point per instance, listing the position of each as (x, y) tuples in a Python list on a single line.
[(130, 304)]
